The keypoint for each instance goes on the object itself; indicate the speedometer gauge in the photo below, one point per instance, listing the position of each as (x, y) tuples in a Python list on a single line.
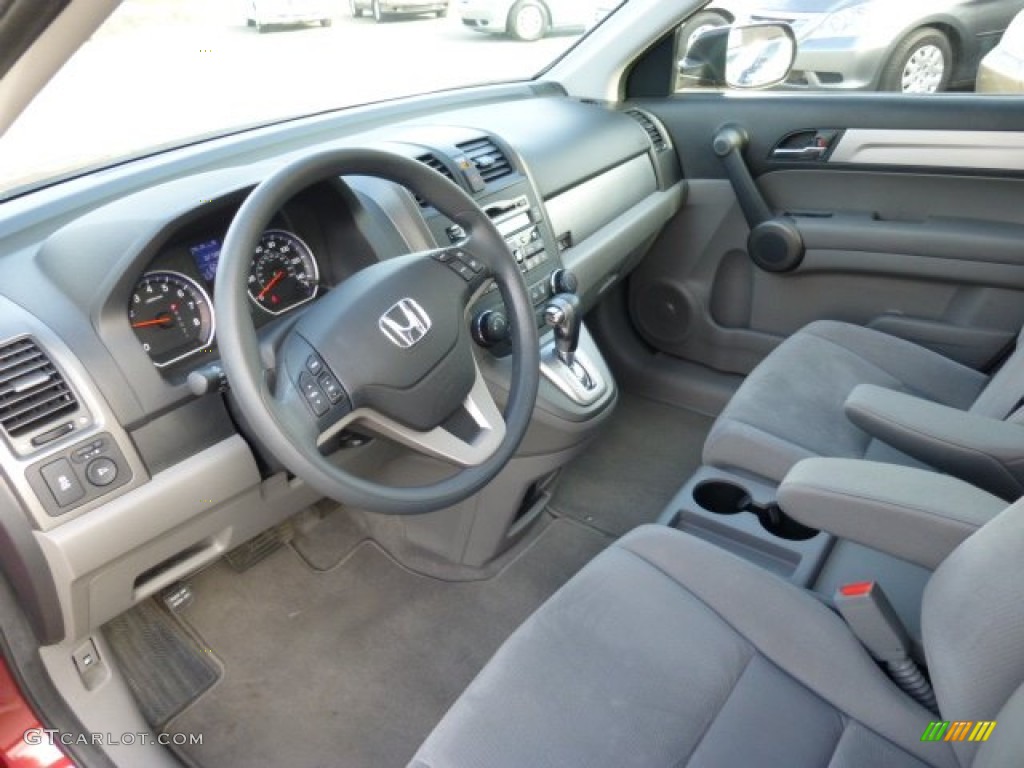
[(284, 273), (171, 316)]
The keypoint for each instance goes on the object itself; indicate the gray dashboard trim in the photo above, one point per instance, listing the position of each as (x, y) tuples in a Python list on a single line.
[(27, 571), (80, 549), (995, 150), (585, 208), (612, 251)]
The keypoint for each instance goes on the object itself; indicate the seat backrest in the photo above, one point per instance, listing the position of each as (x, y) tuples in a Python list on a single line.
[(1003, 394), (973, 628)]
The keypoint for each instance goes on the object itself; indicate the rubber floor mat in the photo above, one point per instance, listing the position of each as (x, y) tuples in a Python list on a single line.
[(163, 664)]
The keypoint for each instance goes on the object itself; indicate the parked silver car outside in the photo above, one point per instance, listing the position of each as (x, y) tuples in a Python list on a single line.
[(528, 19), (912, 46), (381, 10)]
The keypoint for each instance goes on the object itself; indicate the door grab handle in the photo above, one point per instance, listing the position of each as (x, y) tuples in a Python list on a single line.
[(774, 242)]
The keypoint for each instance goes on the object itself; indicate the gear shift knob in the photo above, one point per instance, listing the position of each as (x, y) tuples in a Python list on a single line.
[(562, 314)]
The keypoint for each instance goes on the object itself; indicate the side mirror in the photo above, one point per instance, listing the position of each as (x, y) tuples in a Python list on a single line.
[(745, 57)]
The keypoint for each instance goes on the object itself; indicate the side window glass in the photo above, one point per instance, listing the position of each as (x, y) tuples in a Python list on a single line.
[(878, 45)]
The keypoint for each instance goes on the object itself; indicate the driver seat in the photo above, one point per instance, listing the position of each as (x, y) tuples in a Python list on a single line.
[(667, 651)]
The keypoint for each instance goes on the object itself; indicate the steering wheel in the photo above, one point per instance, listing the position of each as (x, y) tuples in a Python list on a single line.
[(388, 349)]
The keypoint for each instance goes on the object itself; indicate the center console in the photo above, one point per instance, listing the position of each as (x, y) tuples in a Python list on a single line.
[(742, 515)]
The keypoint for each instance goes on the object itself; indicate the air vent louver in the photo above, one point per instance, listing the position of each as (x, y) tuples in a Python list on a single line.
[(488, 159), (657, 138), (32, 392), (432, 161)]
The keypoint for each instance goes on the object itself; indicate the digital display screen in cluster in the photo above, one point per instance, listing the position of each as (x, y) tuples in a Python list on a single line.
[(206, 255)]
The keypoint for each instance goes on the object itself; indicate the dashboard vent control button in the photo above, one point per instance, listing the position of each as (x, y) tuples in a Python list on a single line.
[(53, 434)]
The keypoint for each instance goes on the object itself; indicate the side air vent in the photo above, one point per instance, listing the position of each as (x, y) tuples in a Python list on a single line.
[(32, 392), (648, 124), (488, 159), (432, 161)]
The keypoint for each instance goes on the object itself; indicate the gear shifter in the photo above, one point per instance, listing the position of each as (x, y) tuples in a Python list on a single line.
[(563, 315), (573, 373)]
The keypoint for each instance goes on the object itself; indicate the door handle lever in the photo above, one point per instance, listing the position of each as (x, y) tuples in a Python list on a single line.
[(804, 153)]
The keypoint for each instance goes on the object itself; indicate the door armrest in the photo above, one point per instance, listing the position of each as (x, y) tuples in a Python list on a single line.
[(985, 452), (913, 514)]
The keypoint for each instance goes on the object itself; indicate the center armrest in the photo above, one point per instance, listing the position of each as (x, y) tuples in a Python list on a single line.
[(985, 452), (913, 514)]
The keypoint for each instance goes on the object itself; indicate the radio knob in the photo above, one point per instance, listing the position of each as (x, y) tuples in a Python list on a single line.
[(490, 327), (564, 281)]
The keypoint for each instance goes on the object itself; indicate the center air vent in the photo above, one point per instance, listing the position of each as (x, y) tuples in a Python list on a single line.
[(33, 393), (432, 161), (488, 159), (653, 131)]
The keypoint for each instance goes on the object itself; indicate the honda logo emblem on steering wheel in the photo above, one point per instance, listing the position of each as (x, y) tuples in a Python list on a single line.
[(405, 324)]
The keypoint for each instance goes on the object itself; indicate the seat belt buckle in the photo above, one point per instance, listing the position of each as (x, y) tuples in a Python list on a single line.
[(871, 617)]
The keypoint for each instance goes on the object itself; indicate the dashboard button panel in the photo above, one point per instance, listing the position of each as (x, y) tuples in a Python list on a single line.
[(78, 474)]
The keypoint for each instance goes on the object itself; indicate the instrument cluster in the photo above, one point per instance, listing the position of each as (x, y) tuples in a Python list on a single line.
[(170, 309)]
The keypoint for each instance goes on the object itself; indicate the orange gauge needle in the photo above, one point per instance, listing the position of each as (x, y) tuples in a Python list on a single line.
[(162, 320), (273, 281)]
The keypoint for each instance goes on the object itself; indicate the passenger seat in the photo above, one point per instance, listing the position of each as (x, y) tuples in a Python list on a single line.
[(841, 390)]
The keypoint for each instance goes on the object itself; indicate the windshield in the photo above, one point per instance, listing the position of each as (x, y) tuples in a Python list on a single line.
[(163, 73)]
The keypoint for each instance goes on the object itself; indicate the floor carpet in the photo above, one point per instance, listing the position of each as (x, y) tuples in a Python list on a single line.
[(634, 468), (354, 666)]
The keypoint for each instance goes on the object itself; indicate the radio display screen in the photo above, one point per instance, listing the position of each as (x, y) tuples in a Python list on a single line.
[(514, 224)]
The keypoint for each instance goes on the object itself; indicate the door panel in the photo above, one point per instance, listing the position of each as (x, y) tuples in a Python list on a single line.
[(933, 254)]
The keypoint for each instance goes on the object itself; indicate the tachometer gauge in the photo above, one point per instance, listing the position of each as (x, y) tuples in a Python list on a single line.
[(171, 316), (284, 273)]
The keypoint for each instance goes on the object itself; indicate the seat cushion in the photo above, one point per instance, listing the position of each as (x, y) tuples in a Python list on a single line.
[(666, 651), (791, 406)]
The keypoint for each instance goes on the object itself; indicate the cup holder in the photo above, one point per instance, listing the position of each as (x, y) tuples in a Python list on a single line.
[(721, 498), (725, 498), (778, 523)]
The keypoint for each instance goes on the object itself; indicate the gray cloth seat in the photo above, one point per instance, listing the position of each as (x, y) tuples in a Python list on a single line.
[(666, 651), (791, 405)]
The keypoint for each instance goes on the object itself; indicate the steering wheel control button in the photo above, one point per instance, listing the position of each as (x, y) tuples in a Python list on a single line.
[(445, 257), (101, 472), (471, 261), (315, 397), (331, 387), (462, 270), (314, 365), (60, 478)]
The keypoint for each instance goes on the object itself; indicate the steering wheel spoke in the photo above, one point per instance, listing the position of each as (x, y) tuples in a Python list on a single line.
[(467, 438)]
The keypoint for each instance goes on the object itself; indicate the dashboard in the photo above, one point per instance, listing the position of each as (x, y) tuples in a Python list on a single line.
[(135, 475)]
